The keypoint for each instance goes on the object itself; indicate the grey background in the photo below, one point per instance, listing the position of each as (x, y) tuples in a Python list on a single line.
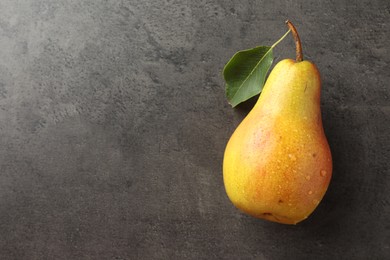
[(113, 124)]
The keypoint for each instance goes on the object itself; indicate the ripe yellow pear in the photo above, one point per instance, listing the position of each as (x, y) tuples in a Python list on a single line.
[(277, 164)]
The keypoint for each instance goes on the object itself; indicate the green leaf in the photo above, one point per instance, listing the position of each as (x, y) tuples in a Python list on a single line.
[(245, 73), (246, 70)]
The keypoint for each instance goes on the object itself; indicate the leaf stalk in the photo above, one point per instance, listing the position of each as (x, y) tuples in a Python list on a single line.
[(281, 39)]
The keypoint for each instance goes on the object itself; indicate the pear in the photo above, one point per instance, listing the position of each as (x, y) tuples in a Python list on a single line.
[(277, 164)]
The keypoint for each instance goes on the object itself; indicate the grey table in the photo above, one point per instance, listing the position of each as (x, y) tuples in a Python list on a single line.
[(113, 124)]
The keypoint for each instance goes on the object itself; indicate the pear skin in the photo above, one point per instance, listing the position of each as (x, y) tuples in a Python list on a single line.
[(277, 164)]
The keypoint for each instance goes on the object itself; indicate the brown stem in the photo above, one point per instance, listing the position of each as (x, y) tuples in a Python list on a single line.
[(298, 45)]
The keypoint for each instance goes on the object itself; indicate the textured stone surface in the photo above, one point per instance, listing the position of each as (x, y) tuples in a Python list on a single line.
[(113, 123)]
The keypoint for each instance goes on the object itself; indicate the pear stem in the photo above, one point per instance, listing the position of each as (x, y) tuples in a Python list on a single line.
[(298, 46)]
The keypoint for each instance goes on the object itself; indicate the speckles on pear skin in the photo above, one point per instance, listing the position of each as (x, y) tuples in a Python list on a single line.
[(292, 157)]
